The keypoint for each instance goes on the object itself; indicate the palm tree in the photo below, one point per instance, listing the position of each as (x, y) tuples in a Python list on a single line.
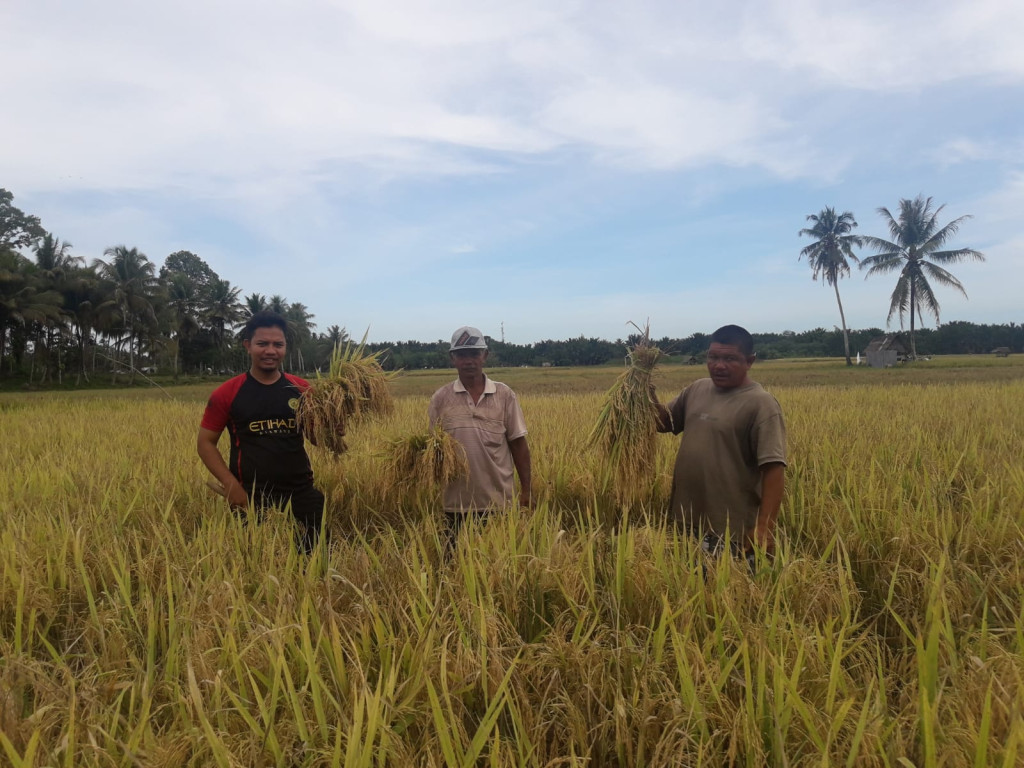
[(183, 306), (277, 303), (21, 300), (300, 328), (54, 263), (829, 253), (254, 302), (53, 256), (82, 296), (221, 310), (914, 252), (327, 342), (133, 280)]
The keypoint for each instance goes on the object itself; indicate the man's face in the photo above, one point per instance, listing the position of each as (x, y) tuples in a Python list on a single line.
[(727, 365), (266, 348), (469, 362)]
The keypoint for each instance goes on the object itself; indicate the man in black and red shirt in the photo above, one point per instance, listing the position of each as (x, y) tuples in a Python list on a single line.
[(268, 464)]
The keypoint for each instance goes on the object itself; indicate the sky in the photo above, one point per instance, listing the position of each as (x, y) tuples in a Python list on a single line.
[(540, 170)]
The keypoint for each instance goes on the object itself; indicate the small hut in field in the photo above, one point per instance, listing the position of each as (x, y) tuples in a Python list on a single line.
[(886, 351), (1001, 351)]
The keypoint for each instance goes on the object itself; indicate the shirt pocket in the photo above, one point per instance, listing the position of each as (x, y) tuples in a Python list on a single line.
[(492, 431)]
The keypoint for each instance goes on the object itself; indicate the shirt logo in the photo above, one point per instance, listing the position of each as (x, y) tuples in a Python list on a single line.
[(273, 426), (293, 403)]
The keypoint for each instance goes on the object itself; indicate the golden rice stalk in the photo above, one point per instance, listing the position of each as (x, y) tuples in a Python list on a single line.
[(355, 386), (627, 427), (431, 459)]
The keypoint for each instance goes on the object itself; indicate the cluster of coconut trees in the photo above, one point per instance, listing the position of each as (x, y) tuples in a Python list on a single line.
[(120, 313), (916, 250)]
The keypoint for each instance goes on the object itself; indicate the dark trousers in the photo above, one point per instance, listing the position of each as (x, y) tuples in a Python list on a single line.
[(713, 545), (307, 505), (455, 520)]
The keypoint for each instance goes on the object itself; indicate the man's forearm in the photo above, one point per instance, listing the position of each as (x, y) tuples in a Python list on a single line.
[(664, 417), (521, 460), (773, 483), (214, 462)]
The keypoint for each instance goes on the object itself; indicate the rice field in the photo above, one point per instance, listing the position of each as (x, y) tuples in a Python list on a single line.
[(142, 624)]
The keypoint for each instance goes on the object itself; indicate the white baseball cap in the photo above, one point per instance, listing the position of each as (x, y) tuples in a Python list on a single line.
[(468, 337)]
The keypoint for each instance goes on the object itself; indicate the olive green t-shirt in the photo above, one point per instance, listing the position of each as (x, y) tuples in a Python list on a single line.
[(728, 435)]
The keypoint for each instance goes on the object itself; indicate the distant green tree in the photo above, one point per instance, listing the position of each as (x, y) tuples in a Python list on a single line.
[(22, 302), (183, 299), (130, 306), (914, 251), (334, 337), (54, 265), (829, 252), (82, 293), (17, 228), (221, 311), (191, 266), (300, 328), (254, 302)]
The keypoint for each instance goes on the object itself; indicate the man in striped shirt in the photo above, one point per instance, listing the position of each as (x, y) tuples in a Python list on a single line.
[(484, 416)]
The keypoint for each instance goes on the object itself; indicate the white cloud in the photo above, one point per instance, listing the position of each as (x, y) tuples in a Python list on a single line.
[(881, 45), (654, 125), (130, 97)]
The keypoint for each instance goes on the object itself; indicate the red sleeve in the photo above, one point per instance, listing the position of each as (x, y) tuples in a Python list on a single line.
[(301, 384), (218, 407)]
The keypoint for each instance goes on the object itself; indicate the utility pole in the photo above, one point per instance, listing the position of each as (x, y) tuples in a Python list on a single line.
[(502, 331)]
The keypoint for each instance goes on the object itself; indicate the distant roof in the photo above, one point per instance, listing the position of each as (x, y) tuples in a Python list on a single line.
[(891, 341)]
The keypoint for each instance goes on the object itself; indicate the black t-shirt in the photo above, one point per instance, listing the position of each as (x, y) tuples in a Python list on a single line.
[(267, 450)]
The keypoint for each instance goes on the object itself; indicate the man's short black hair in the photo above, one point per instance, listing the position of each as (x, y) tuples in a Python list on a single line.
[(263, 319), (735, 336)]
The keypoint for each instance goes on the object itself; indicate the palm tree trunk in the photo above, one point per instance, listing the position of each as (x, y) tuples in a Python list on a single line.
[(81, 347), (32, 365), (81, 357), (842, 319), (131, 359), (913, 307)]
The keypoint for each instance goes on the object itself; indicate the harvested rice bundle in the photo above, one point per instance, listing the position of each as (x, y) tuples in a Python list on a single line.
[(627, 428), (355, 385), (429, 459)]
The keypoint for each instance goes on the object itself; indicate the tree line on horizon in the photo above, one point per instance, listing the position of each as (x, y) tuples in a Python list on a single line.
[(952, 338), (121, 314)]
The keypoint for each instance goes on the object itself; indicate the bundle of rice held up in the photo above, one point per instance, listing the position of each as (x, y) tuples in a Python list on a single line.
[(356, 385), (627, 428), (431, 459)]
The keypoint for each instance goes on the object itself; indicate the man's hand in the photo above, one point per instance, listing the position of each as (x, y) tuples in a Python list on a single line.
[(237, 497), (526, 497), (664, 418), (773, 479), (763, 537), (206, 446), (521, 459)]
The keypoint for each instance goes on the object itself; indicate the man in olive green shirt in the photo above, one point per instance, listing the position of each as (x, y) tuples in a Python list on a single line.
[(729, 473)]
